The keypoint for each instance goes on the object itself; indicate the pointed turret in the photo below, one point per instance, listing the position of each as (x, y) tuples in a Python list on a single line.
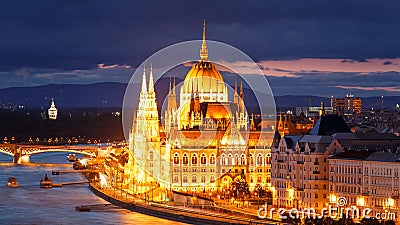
[(151, 83), (172, 106), (241, 104), (235, 98), (252, 125), (144, 89), (196, 101), (203, 50), (241, 89), (173, 89)]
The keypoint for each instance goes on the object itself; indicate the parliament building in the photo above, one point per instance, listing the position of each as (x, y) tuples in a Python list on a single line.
[(206, 140)]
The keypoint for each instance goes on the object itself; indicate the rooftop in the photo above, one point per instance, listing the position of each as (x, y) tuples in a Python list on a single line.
[(330, 124)]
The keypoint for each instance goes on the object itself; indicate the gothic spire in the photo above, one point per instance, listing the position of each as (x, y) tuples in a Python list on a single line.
[(144, 89), (173, 88), (151, 83), (241, 90), (235, 96), (170, 85), (204, 51)]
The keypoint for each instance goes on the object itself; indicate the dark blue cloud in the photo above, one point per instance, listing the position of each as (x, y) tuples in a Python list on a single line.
[(80, 34)]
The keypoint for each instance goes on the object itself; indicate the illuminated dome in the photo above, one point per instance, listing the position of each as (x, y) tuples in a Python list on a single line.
[(203, 83), (204, 79), (204, 69)]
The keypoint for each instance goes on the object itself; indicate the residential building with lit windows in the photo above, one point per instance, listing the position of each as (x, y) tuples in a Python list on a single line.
[(299, 165), (366, 179)]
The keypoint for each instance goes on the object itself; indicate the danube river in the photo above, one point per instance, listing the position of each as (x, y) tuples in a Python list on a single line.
[(30, 204)]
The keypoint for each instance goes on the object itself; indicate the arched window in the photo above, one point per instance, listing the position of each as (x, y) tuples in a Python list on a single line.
[(223, 159), (203, 178), (212, 178), (185, 179), (151, 155), (242, 160), (203, 159), (176, 158), (185, 159), (236, 159), (194, 159), (176, 179), (259, 159), (251, 159), (194, 179), (267, 159), (259, 179), (230, 160), (212, 159)]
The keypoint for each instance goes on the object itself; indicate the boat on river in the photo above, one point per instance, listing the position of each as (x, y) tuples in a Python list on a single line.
[(46, 182), (12, 182)]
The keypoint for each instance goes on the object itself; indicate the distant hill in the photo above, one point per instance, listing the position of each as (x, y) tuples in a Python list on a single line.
[(66, 95), (111, 95)]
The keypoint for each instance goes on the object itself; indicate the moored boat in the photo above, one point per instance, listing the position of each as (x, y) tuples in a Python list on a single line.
[(46, 182), (12, 182)]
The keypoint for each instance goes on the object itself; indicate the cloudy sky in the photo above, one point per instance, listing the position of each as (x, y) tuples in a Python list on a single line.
[(303, 47)]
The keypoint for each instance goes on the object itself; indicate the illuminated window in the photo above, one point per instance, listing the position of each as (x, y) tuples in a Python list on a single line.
[(151, 155), (185, 159), (185, 179), (268, 159), (212, 179), (259, 160), (223, 160), (212, 159), (176, 158), (194, 179), (242, 160), (194, 159), (203, 159)]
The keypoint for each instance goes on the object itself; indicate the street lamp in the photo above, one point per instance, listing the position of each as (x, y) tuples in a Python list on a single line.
[(258, 200), (390, 202)]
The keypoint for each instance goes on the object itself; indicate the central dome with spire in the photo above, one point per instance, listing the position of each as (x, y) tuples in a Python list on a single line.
[(202, 88), (204, 78), (204, 68)]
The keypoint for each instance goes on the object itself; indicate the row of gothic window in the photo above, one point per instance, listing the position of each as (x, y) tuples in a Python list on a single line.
[(224, 159)]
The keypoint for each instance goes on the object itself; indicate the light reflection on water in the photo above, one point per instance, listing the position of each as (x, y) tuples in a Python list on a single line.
[(30, 204)]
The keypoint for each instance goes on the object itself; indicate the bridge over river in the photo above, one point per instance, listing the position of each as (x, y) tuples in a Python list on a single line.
[(21, 153)]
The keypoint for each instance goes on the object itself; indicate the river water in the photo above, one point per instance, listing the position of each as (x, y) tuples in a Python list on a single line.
[(30, 204)]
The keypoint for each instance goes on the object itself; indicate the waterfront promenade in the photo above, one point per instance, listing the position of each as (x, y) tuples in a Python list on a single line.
[(221, 216)]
